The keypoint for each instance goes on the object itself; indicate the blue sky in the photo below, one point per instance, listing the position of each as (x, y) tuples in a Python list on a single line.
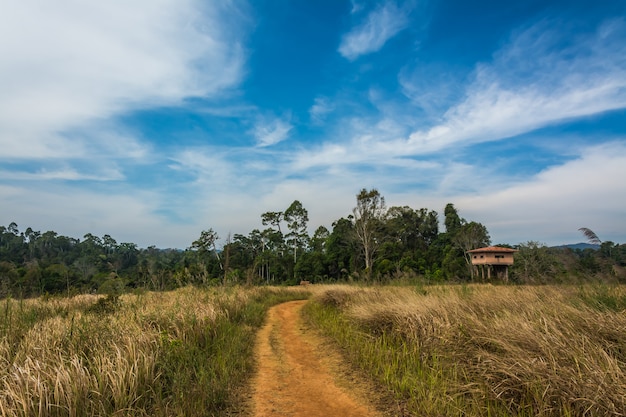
[(153, 120)]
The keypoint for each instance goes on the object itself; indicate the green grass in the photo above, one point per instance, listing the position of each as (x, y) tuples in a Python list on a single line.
[(207, 372)]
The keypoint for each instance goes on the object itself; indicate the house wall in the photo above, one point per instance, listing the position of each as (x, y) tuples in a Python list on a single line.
[(491, 258)]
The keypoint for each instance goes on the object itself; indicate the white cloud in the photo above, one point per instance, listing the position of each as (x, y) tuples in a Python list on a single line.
[(356, 7), (68, 65), (66, 174), (321, 107), (382, 24), (270, 132), (533, 83), (550, 207), (207, 166)]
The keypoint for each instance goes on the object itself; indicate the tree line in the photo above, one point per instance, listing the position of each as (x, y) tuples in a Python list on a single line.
[(373, 243)]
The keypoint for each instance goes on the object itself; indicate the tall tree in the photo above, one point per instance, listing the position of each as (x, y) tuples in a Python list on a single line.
[(452, 220), (273, 218), (207, 243), (534, 263), (341, 248), (297, 218), (470, 236), (319, 240), (368, 216)]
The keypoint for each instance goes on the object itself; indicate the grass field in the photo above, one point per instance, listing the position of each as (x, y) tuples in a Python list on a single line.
[(482, 350), (475, 350), (186, 352)]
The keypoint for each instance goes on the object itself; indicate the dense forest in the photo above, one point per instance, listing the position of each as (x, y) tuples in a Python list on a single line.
[(373, 244)]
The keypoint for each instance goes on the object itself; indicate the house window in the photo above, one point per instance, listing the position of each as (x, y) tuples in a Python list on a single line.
[(499, 256)]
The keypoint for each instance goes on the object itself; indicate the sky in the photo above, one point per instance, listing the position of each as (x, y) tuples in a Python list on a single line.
[(152, 120)]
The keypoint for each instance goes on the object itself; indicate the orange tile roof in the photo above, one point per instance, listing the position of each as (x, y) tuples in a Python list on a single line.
[(493, 249)]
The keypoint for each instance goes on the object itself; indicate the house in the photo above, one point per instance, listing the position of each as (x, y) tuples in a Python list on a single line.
[(492, 258)]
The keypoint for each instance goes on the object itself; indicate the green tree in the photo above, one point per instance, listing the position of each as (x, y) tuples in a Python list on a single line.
[(319, 240), (273, 218), (534, 264), (341, 248), (368, 221), (411, 232), (207, 243), (297, 218), (470, 236), (8, 278), (452, 221)]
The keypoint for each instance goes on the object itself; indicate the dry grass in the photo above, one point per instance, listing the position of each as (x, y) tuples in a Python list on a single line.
[(72, 362), (484, 350), (144, 354)]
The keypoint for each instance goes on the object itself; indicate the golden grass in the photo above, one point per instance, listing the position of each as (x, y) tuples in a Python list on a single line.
[(480, 350), (144, 354)]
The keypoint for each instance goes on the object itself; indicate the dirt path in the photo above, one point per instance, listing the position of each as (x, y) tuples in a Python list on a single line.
[(296, 377)]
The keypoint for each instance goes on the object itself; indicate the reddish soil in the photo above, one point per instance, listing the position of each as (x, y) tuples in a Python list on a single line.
[(298, 375)]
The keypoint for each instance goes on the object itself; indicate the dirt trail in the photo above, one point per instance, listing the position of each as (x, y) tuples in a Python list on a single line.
[(295, 376)]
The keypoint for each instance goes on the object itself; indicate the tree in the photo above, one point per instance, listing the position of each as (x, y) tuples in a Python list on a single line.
[(341, 247), (470, 236), (273, 218), (297, 217), (534, 263), (452, 220), (368, 215), (590, 235), (13, 228), (206, 243), (8, 278), (320, 237), (416, 229)]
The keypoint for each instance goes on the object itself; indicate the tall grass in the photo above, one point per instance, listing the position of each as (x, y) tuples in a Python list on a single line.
[(185, 352), (484, 350)]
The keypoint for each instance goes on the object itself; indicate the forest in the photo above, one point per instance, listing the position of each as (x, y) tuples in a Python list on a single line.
[(375, 243)]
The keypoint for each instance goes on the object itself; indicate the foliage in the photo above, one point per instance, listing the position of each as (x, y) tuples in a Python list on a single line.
[(368, 220), (535, 264), (374, 243)]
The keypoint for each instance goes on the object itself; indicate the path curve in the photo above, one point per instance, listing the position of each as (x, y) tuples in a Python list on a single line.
[(294, 378)]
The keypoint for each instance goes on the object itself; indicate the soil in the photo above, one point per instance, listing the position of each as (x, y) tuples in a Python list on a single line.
[(299, 375)]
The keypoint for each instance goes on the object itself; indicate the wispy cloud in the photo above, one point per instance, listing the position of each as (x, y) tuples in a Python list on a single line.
[(320, 108), (380, 25), (65, 174), (65, 66), (272, 131), (539, 78), (356, 6), (532, 82), (204, 165)]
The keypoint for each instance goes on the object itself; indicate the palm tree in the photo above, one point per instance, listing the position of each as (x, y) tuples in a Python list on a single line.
[(590, 235)]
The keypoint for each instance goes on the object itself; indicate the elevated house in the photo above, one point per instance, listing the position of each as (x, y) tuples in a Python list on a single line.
[(492, 259)]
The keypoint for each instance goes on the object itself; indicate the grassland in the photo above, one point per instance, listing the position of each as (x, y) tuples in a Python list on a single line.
[(474, 350), (482, 350), (186, 352)]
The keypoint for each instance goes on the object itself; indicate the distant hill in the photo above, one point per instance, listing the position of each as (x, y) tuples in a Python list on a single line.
[(580, 246)]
